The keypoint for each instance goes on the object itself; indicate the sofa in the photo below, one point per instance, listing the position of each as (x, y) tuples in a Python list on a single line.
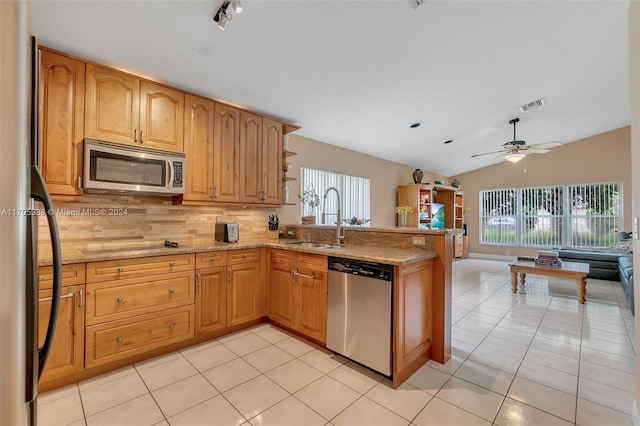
[(614, 263)]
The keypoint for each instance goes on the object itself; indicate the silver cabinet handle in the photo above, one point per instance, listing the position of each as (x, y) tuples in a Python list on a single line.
[(79, 182), (211, 192), (212, 259), (120, 340), (172, 326), (215, 192), (120, 300), (228, 274), (245, 256), (80, 299), (172, 264), (40, 278), (198, 276), (171, 291), (120, 270), (312, 276), (293, 275)]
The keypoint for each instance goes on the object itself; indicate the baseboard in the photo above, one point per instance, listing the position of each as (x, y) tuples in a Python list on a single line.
[(493, 257)]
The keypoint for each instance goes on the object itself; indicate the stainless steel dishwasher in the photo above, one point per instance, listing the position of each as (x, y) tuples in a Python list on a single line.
[(359, 312)]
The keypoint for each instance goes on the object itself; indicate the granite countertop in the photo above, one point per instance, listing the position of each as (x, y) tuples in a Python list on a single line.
[(392, 256)]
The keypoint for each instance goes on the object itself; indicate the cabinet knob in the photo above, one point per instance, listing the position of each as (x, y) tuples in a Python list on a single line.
[(120, 300), (120, 270), (171, 291), (120, 340), (212, 259), (244, 256), (40, 278), (172, 264), (198, 279), (172, 326)]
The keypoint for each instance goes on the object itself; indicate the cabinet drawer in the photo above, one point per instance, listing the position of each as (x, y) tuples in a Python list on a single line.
[(71, 275), (130, 268), (235, 257), (121, 339), (313, 261), (211, 259), (114, 300), (283, 257)]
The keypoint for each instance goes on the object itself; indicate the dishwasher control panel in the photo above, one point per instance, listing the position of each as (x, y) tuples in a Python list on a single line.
[(360, 267)]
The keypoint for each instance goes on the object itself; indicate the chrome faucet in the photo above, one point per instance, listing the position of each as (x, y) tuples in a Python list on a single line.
[(339, 236)]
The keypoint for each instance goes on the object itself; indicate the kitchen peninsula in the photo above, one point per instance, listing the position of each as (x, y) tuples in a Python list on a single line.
[(145, 300)]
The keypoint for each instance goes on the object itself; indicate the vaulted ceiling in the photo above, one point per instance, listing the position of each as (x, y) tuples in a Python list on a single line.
[(357, 74)]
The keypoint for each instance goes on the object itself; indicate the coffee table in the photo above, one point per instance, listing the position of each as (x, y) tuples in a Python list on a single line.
[(575, 270)]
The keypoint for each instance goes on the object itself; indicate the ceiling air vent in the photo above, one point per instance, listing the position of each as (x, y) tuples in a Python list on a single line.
[(531, 105), (416, 3)]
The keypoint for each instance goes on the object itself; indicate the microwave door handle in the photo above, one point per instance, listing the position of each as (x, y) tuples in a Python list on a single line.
[(169, 174)]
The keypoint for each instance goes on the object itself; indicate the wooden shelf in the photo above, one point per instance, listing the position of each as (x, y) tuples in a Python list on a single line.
[(288, 179), (289, 154)]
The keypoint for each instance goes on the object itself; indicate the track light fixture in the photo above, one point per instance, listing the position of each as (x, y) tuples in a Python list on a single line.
[(223, 16)]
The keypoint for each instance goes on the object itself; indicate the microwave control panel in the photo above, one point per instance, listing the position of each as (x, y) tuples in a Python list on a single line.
[(177, 174)]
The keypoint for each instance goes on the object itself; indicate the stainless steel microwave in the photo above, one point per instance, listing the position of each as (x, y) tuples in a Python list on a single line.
[(116, 168)]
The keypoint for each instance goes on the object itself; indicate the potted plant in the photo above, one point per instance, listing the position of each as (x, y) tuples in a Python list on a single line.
[(310, 200), (402, 211)]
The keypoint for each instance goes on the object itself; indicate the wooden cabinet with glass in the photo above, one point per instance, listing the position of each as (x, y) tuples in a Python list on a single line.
[(422, 198)]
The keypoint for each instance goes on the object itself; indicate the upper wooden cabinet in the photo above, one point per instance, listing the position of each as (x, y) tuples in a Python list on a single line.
[(260, 159), (198, 148), (123, 108), (226, 155), (62, 122)]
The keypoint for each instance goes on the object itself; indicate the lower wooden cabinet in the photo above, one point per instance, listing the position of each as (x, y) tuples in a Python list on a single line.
[(458, 246), (231, 293), (211, 299), (67, 352), (116, 340), (298, 292), (413, 325)]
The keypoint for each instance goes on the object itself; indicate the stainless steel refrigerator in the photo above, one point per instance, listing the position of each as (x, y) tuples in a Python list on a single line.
[(22, 191)]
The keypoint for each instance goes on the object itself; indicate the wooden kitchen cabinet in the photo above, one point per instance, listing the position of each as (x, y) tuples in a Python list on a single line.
[(413, 324), (271, 161), (211, 300), (298, 292), (226, 155), (250, 157), (67, 352), (230, 289), (138, 305), (62, 123), (198, 143), (243, 293), (124, 108), (458, 246)]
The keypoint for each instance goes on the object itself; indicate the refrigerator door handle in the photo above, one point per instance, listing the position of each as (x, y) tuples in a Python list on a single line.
[(39, 192)]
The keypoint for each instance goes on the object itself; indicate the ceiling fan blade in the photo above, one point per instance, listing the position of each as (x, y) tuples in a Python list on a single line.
[(537, 151), (488, 153), (501, 155), (547, 145)]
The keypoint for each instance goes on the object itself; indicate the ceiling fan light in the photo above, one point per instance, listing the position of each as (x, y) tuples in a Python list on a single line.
[(515, 157)]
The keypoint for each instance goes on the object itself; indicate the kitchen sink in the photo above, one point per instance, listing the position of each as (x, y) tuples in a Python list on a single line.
[(314, 244)]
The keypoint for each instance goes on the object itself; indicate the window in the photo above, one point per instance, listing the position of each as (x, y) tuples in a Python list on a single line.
[(586, 215), (354, 195)]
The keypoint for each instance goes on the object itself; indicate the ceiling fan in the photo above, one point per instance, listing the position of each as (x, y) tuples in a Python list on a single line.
[(516, 150)]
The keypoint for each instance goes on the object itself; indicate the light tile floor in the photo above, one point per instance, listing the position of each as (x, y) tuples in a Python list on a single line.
[(534, 358)]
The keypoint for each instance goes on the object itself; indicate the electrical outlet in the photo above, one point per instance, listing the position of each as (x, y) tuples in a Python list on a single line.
[(417, 241)]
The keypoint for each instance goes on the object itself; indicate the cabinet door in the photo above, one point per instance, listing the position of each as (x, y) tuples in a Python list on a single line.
[(67, 353), (271, 167), (250, 158), (161, 117), (226, 139), (243, 293), (282, 294), (112, 105), (211, 299), (62, 125), (311, 309), (413, 299), (198, 139)]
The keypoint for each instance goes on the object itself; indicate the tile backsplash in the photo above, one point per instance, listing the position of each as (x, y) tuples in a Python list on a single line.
[(101, 220)]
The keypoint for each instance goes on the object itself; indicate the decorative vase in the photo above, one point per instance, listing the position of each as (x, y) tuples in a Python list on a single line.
[(456, 183), (417, 176), (403, 219)]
